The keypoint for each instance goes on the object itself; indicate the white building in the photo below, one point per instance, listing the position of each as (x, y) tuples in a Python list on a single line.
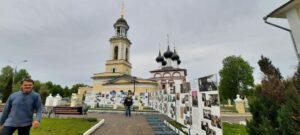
[(291, 12)]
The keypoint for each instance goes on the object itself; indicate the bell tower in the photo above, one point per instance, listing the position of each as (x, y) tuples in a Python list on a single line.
[(119, 61)]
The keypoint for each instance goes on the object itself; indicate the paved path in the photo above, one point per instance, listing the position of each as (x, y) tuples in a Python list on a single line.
[(118, 124)]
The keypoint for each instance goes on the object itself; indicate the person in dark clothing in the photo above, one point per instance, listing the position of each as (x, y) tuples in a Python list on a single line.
[(128, 101)]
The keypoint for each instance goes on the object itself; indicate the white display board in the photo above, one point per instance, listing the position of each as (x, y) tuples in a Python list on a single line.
[(174, 102), (206, 112), (108, 99)]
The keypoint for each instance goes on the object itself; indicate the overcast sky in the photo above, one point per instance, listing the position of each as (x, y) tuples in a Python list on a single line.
[(66, 41)]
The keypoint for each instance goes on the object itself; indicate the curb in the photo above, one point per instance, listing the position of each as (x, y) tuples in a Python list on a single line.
[(92, 129)]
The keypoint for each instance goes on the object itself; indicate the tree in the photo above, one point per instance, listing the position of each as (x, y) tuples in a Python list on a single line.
[(6, 82), (6, 72), (67, 92), (272, 84), (18, 77), (37, 86), (289, 113), (43, 92), (75, 87), (267, 101), (236, 77)]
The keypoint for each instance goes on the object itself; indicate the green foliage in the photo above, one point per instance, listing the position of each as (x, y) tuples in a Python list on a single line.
[(234, 129), (276, 106), (19, 76), (7, 89), (67, 92), (236, 77), (272, 84), (264, 114), (289, 113), (291, 125), (177, 126), (37, 86), (6, 83), (43, 93), (75, 87)]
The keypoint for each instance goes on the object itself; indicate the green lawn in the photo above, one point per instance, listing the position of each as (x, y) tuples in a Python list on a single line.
[(56, 126), (177, 125), (234, 129)]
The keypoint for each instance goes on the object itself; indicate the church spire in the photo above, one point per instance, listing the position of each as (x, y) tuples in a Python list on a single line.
[(122, 9)]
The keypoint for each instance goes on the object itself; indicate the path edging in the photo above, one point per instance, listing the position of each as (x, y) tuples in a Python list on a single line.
[(93, 128)]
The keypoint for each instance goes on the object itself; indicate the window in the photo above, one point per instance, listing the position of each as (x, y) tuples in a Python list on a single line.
[(126, 57), (123, 32), (172, 90), (116, 50), (114, 70), (118, 31)]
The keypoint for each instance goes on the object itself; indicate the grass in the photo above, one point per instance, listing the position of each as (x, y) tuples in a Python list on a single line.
[(177, 125), (228, 109), (60, 126), (234, 129)]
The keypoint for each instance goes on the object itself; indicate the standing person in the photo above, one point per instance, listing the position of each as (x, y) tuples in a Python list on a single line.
[(19, 109), (128, 101)]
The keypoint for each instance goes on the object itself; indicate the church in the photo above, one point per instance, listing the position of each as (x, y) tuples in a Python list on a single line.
[(118, 68), (117, 76)]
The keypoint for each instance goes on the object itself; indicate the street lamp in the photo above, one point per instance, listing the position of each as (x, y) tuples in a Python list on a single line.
[(16, 68), (147, 97), (134, 81)]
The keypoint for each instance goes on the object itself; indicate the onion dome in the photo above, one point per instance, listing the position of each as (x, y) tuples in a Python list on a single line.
[(168, 53), (175, 56), (121, 22), (159, 58), (178, 62), (164, 63)]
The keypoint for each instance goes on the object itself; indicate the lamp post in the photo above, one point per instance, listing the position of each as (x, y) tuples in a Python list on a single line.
[(134, 80), (134, 85), (147, 97), (16, 69)]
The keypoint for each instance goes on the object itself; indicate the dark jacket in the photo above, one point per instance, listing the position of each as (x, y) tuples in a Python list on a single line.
[(128, 101)]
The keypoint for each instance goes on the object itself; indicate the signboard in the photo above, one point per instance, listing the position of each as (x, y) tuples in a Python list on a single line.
[(209, 122)]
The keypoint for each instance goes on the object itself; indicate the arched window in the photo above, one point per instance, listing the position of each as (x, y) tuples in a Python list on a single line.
[(167, 75), (157, 75), (118, 31), (176, 74), (116, 50), (114, 70)]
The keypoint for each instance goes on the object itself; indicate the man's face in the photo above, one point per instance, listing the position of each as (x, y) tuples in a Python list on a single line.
[(26, 86)]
